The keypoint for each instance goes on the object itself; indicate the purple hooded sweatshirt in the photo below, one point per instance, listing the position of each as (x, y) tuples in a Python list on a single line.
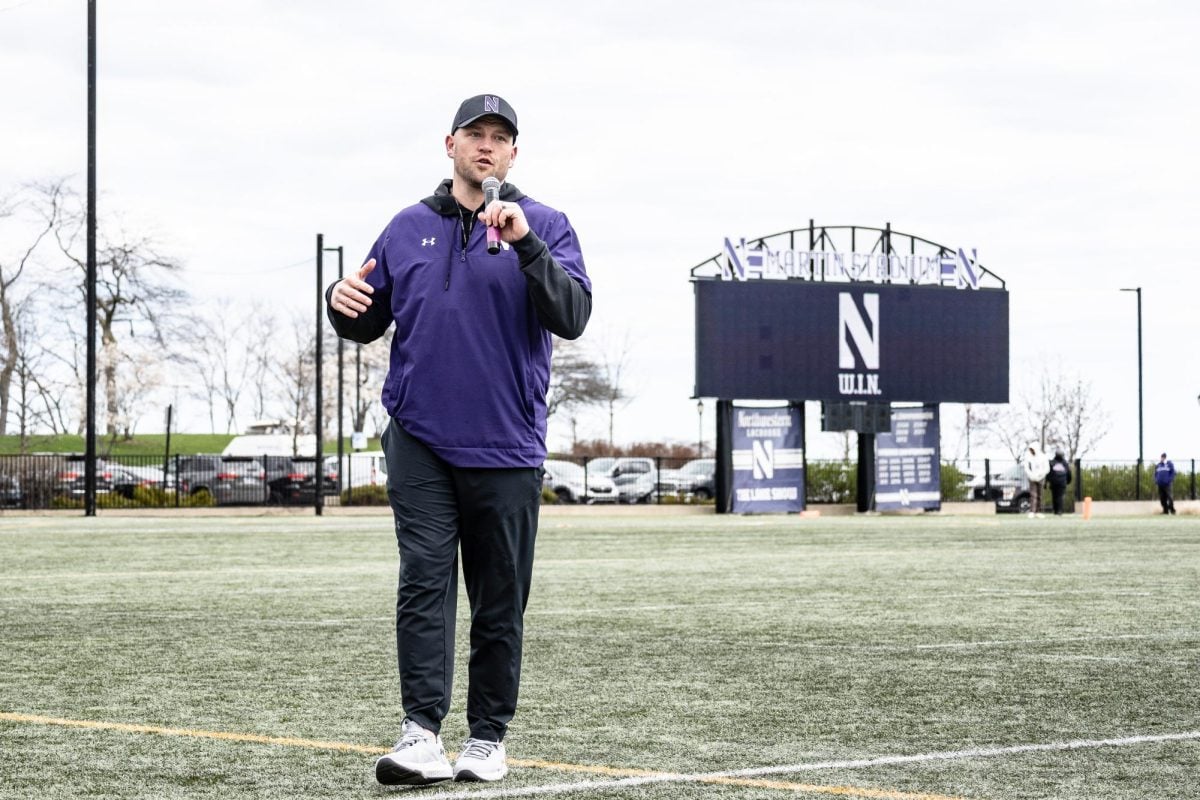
[(470, 358)]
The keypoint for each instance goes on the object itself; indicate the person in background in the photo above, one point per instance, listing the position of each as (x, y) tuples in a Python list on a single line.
[(1059, 479), (1036, 466), (1164, 478)]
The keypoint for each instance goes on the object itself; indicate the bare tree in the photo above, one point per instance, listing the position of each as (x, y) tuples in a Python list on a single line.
[(262, 326), (222, 361), (31, 400), (1060, 411), (613, 363), (133, 286), (296, 375), (44, 202), (1082, 421), (139, 374), (576, 380), (374, 364)]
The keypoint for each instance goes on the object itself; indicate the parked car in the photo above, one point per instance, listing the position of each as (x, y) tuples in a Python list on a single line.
[(69, 479), (229, 480), (638, 478), (291, 480), (125, 479), (1009, 490), (571, 484), (11, 495), (600, 466), (695, 478), (367, 468)]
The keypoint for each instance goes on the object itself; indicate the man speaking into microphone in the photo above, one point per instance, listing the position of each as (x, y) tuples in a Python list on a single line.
[(476, 277)]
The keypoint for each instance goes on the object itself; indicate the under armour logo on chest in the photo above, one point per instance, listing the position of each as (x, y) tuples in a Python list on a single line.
[(431, 241)]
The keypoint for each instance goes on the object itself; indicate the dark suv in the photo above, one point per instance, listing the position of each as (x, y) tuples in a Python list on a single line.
[(291, 480), (230, 480)]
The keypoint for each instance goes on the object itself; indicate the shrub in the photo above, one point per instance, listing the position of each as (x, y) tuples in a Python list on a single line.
[(830, 482), (954, 484), (373, 495)]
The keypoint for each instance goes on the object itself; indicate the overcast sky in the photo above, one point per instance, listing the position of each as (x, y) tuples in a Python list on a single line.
[(1057, 139)]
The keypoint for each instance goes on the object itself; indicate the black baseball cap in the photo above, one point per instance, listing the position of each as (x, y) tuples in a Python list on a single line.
[(484, 105)]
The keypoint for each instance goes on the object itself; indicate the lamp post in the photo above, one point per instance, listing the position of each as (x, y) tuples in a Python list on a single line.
[(700, 429), (1141, 427), (89, 459), (340, 383), (319, 421)]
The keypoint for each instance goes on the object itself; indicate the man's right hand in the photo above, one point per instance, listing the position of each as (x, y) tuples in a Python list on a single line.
[(351, 295)]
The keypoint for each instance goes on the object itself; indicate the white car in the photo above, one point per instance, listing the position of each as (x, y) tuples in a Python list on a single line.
[(368, 468), (570, 484), (638, 479)]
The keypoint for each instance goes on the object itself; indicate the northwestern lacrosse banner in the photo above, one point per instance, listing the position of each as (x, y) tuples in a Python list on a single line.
[(768, 459), (880, 343), (907, 462)]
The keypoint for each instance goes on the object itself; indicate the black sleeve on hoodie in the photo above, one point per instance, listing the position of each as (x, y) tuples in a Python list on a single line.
[(369, 325), (563, 305)]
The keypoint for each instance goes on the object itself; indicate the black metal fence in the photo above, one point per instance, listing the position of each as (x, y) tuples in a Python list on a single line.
[(56, 481)]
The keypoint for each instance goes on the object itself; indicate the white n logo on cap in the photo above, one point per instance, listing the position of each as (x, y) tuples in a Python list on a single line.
[(491, 104)]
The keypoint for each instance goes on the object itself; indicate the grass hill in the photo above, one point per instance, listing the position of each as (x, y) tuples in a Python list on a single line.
[(152, 444)]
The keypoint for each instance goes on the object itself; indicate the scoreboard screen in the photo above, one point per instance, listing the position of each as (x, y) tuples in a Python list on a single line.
[(860, 342)]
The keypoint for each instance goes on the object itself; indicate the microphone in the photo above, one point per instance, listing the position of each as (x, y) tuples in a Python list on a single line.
[(491, 193)]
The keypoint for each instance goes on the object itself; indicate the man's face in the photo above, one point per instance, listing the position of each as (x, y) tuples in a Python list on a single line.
[(482, 149)]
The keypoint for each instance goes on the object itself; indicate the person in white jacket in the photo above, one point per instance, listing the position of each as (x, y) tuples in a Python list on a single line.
[(1036, 466)]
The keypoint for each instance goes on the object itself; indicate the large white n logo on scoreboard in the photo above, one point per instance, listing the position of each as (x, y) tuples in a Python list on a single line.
[(763, 458), (852, 325)]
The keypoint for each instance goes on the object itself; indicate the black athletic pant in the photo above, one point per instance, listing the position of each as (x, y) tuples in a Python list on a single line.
[(1164, 497), (1056, 496), (491, 514)]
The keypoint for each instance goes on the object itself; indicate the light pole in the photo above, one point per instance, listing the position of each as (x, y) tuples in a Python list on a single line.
[(89, 458), (340, 382), (319, 452), (1141, 427), (700, 429)]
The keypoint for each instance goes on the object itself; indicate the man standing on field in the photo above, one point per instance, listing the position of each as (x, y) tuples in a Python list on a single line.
[(466, 394)]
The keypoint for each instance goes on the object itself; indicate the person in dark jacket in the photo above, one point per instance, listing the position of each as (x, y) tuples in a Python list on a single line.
[(466, 397), (1164, 478), (1059, 479)]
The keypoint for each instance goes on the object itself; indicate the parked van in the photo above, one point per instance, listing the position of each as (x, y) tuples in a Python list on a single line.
[(367, 468)]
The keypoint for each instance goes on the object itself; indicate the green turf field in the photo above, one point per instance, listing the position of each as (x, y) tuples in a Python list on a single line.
[(666, 657)]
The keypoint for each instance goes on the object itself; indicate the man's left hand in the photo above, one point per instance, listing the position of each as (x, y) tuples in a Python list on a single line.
[(509, 218)]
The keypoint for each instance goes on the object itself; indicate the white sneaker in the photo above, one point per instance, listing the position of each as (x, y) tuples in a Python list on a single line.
[(481, 760), (1031, 515), (417, 759)]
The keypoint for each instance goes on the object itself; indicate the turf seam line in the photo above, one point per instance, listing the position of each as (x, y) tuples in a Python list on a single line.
[(720, 777), (623, 772), (637, 777)]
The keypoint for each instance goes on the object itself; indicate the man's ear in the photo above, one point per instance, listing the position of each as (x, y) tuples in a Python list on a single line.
[(450, 147)]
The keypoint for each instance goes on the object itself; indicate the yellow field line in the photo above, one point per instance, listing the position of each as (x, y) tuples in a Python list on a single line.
[(347, 747), (229, 737)]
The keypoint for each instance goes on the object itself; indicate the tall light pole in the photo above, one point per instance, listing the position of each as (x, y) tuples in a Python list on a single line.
[(700, 431), (1141, 426), (340, 377), (89, 445), (319, 453)]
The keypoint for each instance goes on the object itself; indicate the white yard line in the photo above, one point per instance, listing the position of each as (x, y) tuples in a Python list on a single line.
[(791, 769)]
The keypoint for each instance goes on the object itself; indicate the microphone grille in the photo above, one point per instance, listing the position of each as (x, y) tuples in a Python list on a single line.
[(491, 182)]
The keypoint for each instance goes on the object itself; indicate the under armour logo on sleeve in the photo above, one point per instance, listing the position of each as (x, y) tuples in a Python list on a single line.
[(430, 242)]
